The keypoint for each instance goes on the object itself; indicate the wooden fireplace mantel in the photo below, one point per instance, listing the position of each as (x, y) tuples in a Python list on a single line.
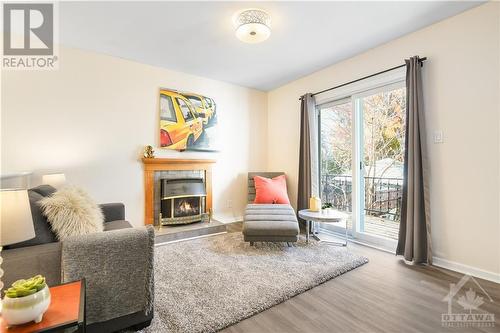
[(151, 165)]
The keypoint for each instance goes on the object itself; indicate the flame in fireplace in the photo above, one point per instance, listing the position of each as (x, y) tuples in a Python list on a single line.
[(185, 206)]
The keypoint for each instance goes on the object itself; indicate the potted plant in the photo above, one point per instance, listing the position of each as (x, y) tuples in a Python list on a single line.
[(25, 301), (327, 207)]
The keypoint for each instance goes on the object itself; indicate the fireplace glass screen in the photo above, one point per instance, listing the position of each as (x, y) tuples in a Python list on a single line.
[(186, 206)]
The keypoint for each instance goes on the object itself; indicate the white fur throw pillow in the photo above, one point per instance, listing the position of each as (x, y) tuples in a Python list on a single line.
[(71, 211)]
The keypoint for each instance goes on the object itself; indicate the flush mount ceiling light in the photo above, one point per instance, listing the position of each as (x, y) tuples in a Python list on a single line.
[(252, 25)]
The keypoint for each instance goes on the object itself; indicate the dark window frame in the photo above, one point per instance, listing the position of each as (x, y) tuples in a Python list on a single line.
[(196, 98), (172, 108), (191, 111)]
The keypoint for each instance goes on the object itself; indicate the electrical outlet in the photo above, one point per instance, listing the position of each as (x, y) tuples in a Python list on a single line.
[(229, 203), (438, 136)]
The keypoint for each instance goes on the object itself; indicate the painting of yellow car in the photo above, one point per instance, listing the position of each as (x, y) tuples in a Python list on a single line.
[(202, 106), (213, 107), (187, 121), (180, 125)]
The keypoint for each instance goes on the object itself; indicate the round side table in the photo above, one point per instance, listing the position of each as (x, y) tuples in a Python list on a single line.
[(333, 216)]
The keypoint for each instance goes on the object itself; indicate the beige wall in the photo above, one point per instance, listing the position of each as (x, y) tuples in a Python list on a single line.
[(91, 119), (461, 98)]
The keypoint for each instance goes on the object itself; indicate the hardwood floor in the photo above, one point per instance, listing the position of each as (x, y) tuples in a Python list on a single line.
[(385, 295)]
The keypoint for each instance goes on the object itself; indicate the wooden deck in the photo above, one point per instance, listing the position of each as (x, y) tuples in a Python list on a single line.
[(379, 227)]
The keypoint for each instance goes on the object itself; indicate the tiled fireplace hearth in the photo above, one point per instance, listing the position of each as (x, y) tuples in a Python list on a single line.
[(177, 191)]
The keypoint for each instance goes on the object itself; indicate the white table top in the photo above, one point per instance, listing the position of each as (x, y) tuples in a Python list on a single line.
[(323, 216)]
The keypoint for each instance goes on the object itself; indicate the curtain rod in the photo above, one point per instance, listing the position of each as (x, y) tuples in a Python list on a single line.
[(421, 60)]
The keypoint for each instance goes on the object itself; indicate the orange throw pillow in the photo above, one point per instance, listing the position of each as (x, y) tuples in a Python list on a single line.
[(270, 191)]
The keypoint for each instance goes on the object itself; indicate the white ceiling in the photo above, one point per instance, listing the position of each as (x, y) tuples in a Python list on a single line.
[(198, 37)]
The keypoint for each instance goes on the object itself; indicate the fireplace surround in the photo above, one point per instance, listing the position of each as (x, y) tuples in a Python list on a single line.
[(154, 171)]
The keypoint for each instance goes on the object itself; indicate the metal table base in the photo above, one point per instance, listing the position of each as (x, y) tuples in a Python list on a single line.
[(311, 223)]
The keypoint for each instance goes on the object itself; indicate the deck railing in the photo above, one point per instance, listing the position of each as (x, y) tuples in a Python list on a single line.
[(382, 195)]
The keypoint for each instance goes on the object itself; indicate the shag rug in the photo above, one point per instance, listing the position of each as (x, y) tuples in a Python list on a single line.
[(210, 283)]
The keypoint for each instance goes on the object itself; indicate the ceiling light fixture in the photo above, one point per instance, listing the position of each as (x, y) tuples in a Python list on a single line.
[(252, 25)]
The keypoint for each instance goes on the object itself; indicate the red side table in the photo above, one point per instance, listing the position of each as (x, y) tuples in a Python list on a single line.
[(66, 310)]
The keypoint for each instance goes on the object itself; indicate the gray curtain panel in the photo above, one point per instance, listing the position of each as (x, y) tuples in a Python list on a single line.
[(308, 155), (414, 241)]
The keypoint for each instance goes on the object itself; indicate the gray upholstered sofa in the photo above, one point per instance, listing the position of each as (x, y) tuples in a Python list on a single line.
[(268, 222), (101, 258)]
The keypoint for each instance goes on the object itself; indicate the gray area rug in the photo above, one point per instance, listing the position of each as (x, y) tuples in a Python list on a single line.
[(210, 283)]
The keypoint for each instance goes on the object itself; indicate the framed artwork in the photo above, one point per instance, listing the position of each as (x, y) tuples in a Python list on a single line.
[(188, 121)]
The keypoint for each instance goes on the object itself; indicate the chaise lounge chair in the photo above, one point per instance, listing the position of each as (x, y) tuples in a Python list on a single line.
[(268, 222)]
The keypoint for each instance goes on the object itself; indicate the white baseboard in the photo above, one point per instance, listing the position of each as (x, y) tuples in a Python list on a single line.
[(190, 238), (227, 218), (439, 262), (465, 269)]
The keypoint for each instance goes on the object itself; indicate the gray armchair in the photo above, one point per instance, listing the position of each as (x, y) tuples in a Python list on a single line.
[(121, 258)]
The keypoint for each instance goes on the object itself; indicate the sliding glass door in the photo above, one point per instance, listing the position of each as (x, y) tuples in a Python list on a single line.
[(362, 153), (336, 140)]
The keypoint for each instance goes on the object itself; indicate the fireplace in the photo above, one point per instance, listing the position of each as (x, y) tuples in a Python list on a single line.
[(156, 169), (182, 201)]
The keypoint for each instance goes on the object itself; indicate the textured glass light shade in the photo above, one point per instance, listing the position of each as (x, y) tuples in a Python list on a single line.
[(252, 25)]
